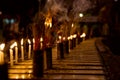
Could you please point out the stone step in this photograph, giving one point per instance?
(73, 77)
(20, 71)
(77, 67)
(75, 72)
(57, 77)
(20, 66)
(19, 76)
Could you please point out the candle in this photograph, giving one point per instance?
(17, 77)
(64, 38)
(11, 57)
(23, 76)
(41, 43)
(29, 50)
(33, 43)
(11, 53)
(2, 53)
(83, 36)
(22, 50)
(60, 38)
(16, 53)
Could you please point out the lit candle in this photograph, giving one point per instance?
(83, 36)
(16, 53)
(17, 77)
(33, 43)
(71, 37)
(2, 53)
(23, 76)
(41, 43)
(64, 38)
(11, 53)
(22, 50)
(11, 57)
(60, 38)
(29, 50)
(50, 25)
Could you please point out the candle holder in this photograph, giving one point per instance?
(60, 51)
(38, 66)
(48, 51)
(4, 71)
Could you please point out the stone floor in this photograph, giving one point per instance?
(82, 63)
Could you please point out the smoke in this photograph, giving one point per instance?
(80, 6)
(58, 9)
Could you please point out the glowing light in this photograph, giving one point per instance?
(63, 38)
(71, 37)
(23, 76)
(2, 53)
(29, 41)
(72, 25)
(60, 37)
(68, 38)
(13, 45)
(17, 77)
(21, 41)
(74, 35)
(83, 35)
(2, 46)
(81, 14)
(41, 39)
(50, 25)
(33, 40)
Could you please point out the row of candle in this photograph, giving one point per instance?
(71, 37)
(14, 46)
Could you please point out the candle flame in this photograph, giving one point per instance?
(17, 77)
(29, 41)
(41, 39)
(74, 35)
(50, 25)
(23, 76)
(60, 37)
(22, 41)
(63, 38)
(2, 46)
(83, 35)
(13, 45)
(71, 37)
(68, 38)
(72, 25)
(33, 40)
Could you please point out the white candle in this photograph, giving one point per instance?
(29, 50)
(1, 57)
(2, 53)
(41, 43)
(17, 77)
(11, 57)
(22, 50)
(22, 53)
(16, 54)
(33, 43)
